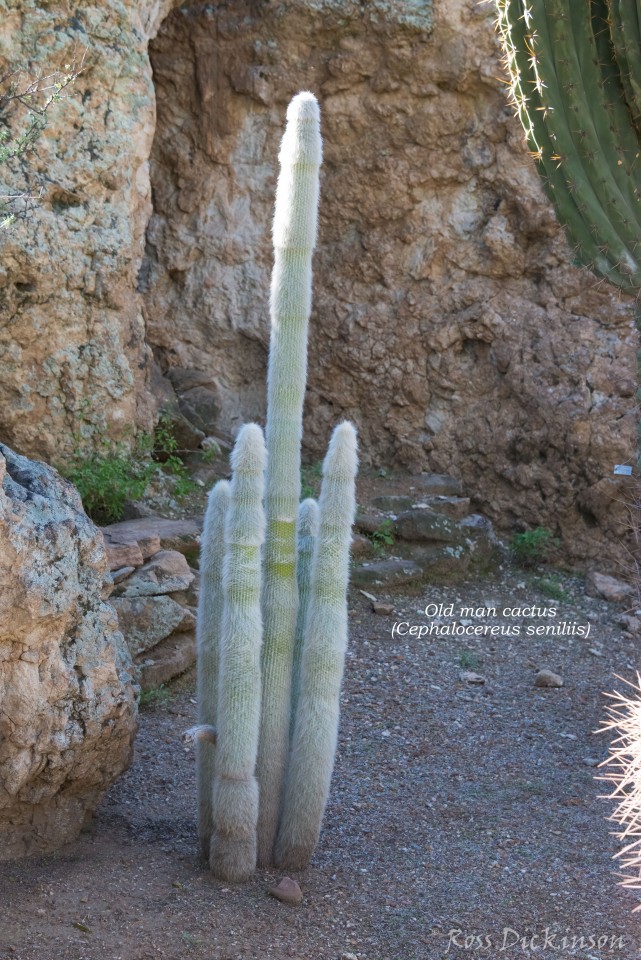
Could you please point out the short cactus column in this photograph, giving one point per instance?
(323, 658)
(235, 790)
(209, 625)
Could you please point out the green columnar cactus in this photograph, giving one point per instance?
(575, 72)
(306, 534)
(209, 622)
(235, 790)
(323, 656)
(304, 578)
(294, 236)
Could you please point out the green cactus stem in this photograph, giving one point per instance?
(208, 629)
(235, 790)
(294, 235)
(323, 657)
(575, 82)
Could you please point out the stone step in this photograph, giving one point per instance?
(439, 484)
(181, 535)
(147, 621)
(168, 660)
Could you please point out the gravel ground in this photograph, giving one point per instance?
(464, 819)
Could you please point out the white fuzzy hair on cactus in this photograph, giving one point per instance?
(623, 768)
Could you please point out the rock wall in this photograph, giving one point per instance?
(448, 320)
(74, 360)
(67, 710)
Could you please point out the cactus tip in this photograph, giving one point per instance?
(249, 449)
(304, 106)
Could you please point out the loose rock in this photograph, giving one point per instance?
(287, 891)
(546, 678)
(383, 609)
(602, 585)
(468, 676)
(166, 572)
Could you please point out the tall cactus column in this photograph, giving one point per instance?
(272, 779)
(294, 235)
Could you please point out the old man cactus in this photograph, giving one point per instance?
(272, 619)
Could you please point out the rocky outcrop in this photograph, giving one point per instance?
(432, 536)
(75, 365)
(449, 323)
(155, 593)
(67, 708)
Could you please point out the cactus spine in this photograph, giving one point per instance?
(575, 72)
(293, 686)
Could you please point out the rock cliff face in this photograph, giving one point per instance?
(67, 711)
(448, 320)
(72, 341)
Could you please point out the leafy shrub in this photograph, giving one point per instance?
(533, 546)
(107, 480)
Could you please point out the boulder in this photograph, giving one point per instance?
(67, 703)
(425, 525)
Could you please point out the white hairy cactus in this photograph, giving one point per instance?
(235, 791)
(208, 626)
(280, 706)
(306, 535)
(294, 235)
(323, 657)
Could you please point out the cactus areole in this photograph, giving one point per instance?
(272, 617)
(575, 81)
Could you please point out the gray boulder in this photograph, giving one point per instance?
(67, 702)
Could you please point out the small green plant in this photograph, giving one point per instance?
(468, 660)
(533, 546)
(107, 479)
(383, 536)
(552, 587)
(154, 698)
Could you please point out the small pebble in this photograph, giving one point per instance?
(591, 761)
(467, 676)
(383, 609)
(545, 678)
(287, 891)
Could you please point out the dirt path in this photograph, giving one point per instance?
(454, 807)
